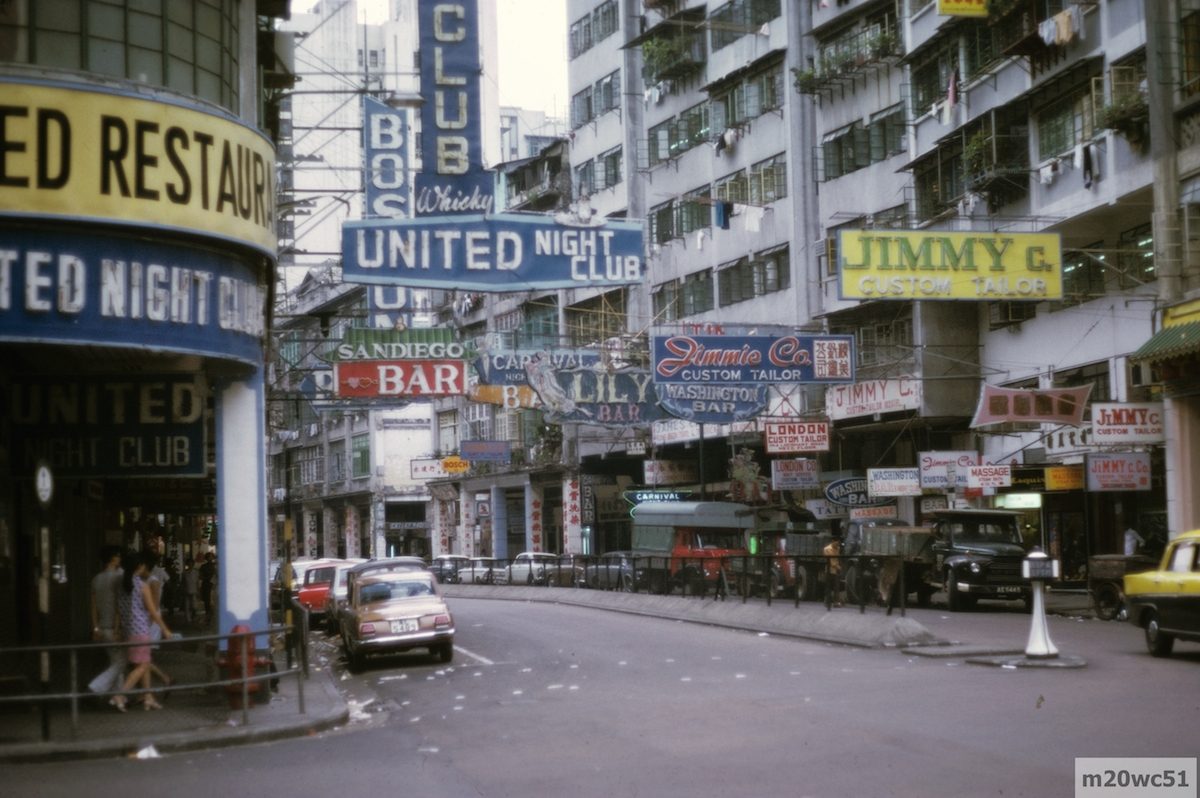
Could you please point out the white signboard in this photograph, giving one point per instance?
(795, 474)
(1118, 472)
(935, 466)
(669, 472)
(787, 437)
(874, 396)
(867, 513)
(428, 468)
(989, 476)
(893, 482)
(1127, 423)
(824, 509)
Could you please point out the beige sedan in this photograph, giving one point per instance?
(398, 611)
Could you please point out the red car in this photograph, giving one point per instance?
(313, 592)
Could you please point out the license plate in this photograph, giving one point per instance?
(1008, 589)
(404, 626)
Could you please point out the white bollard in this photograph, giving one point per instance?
(1037, 567)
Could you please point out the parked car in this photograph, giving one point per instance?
(335, 598)
(445, 567)
(481, 571)
(379, 565)
(397, 611)
(614, 570)
(1166, 602)
(541, 567)
(315, 589)
(299, 567)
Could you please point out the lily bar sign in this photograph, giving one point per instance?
(897, 264)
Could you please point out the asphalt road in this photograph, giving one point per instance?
(546, 700)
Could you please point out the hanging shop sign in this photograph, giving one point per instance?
(1066, 477)
(568, 386)
(823, 509)
(753, 359)
(455, 465)
(386, 187)
(486, 451)
(109, 426)
(109, 156)
(873, 397)
(453, 179)
(894, 481)
(942, 470)
(712, 404)
(668, 472)
(963, 8)
(502, 252)
(1118, 472)
(1031, 405)
(393, 307)
(873, 513)
(899, 264)
(1132, 423)
(787, 437)
(366, 344)
(853, 492)
(370, 379)
(989, 476)
(427, 468)
(795, 474)
(116, 290)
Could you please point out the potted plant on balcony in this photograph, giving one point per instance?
(883, 44)
(976, 156)
(659, 55)
(806, 80)
(1128, 115)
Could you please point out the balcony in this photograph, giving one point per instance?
(847, 58)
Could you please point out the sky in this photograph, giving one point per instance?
(532, 49)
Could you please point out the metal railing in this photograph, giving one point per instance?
(50, 674)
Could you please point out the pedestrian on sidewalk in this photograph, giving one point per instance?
(138, 611)
(191, 587)
(836, 585)
(105, 586)
(1132, 541)
(208, 575)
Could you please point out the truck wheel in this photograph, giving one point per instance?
(1158, 642)
(1107, 601)
(954, 599)
(860, 585)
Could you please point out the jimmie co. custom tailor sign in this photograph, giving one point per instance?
(753, 359)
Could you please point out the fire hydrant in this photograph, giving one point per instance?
(240, 664)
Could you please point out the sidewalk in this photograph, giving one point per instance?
(191, 719)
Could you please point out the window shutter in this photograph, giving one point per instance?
(862, 146)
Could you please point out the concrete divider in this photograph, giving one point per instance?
(811, 621)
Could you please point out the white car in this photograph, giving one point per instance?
(540, 568)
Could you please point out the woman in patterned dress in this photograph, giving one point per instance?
(138, 610)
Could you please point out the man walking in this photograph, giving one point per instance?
(104, 620)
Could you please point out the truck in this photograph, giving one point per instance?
(967, 553)
(783, 549)
(688, 545)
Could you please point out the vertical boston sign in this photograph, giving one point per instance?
(452, 179)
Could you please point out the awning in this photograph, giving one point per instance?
(1175, 341)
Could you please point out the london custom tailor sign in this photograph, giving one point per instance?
(926, 264)
(785, 437)
(753, 358)
(1031, 405)
(795, 474)
(504, 252)
(104, 155)
(116, 290)
(452, 179)
(110, 426)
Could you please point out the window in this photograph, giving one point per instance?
(733, 187)
(884, 343)
(1082, 275)
(606, 94)
(660, 142)
(1095, 375)
(939, 182)
(609, 172)
(604, 21)
(539, 325)
(581, 35)
(749, 278)
(735, 19)
(1189, 52)
(662, 223)
(768, 180)
(582, 108)
(845, 151)
(748, 98)
(1135, 257)
(311, 462)
(360, 456)
(373, 58)
(679, 134)
(931, 78)
(594, 321)
(666, 302)
(697, 292)
(448, 431)
(337, 461)
(584, 179)
(886, 134)
(1064, 124)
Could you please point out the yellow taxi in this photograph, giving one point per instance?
(1166, 602)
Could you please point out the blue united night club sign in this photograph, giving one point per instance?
(453, 180)
(115, 290)
(504, 252)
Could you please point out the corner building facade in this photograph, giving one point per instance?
(137, 254)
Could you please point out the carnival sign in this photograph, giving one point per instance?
(753, 359)
(787, 437)
(492, 253)
(1030, 405)
(1133, 423)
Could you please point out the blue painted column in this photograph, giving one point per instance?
(241, 503)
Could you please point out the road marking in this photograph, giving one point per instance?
(480, 659)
